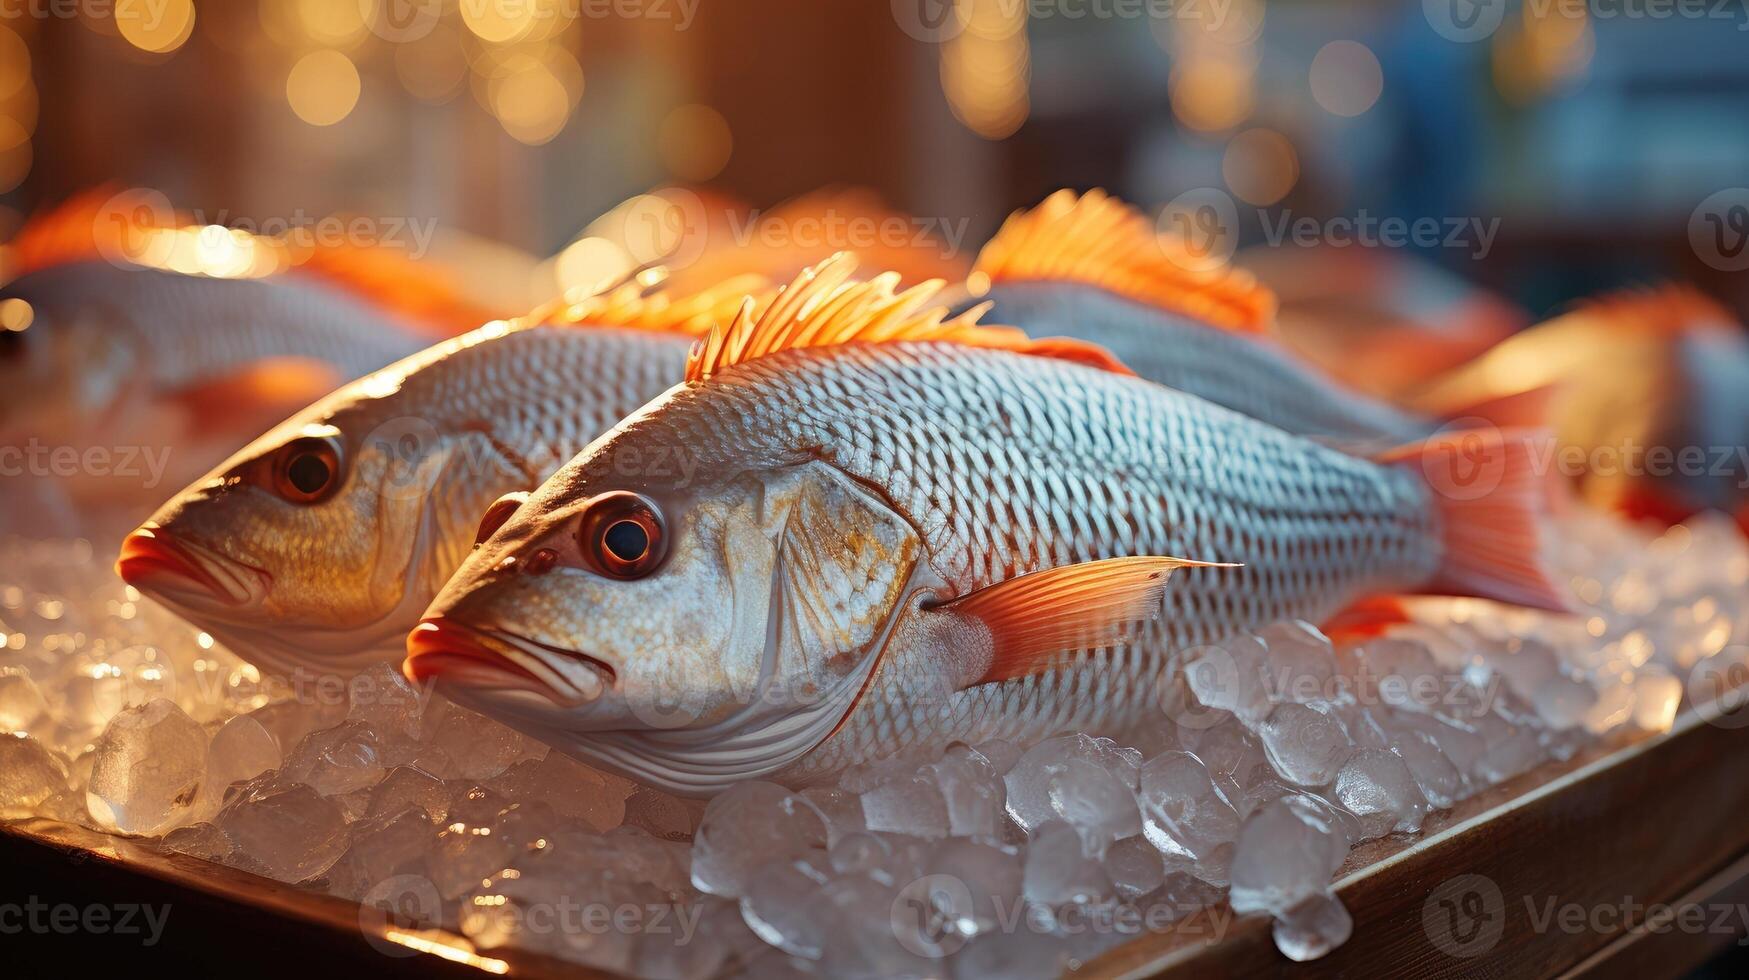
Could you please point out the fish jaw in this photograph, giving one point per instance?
(448, 651)
(186, 575)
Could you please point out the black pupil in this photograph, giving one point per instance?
(626, 540)
(308, 472)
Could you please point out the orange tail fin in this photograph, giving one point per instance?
(1493, 508)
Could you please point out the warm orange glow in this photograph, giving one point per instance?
(1260, 166)
(500, 23)
(694, 142)
(322, 88)
(1212, 93)
(339, 23)
(1551, 44)
(530, 102)
(432, 68)
(159, 27)
(986, 69)
(454, 950)
(15, 154)
(14, 63)
(589, 264)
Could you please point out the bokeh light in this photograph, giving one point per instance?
(588, 264)
(1346, 79)
(432, 68)
(986, 70)
(694, 142)
(335, 23)
(1260, 166)
(322, 88)
(159, 27)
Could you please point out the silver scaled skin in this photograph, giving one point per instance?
(839, 496)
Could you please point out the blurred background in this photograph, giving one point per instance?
(1545, 149)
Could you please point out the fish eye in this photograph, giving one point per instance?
(307, 470)
(497, 514)
(622, 535)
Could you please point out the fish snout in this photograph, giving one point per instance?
(474, 658)
(161, 564)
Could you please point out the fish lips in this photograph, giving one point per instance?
(477, 659)
(187, 574)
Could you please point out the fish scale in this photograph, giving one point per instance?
(1250, 374)
(1030, 463)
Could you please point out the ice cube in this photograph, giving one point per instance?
(291, 833)
(782, 907)
(29, 775)
(1025, 954)
(1376, 786)
(200, 840)
(241, 749)
(991, 875)
(21, 702)
(406, 787)
(150, 762)
(1088, 797)
(1029, 781)
(1438, 780)
(1286, 853)
(972, 790)
(469, 745)
(867, 937)
(1301, 664)
(339, 760)
(381, 698)
(1312, 928)
(1134, 867)
(1233, 676)
(380, 848)
(1184, 813)
(669, 817)
(569, 787)
(840, 811)
(750, 825)
(1059, 869)
(1305, 743)
(911, 804)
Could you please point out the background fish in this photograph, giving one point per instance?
(890, 545)
(1649, 400)
(183, 358)
(322, 541)
(1092, 268)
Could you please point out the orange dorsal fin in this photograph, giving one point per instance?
(1095, 239)
(1036, 619)
(642, 304)
(85, 226)
(823, 308)
(1669, 310)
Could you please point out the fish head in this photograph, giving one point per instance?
(318, 544)
(689, 632)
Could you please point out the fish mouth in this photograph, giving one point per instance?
(182, 572)
(481, 659)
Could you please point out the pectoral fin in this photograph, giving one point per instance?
(1035, 619)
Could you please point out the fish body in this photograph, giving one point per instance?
(1249, 373)
(415, 454)
(1092, 268)
(804, 609)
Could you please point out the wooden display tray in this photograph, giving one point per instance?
(1664, 819)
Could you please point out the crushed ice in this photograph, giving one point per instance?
(991, 859)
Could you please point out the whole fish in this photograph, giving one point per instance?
(1093, 268)
(319, 544)
(188, 357)
(1649, 400)
(894, 538)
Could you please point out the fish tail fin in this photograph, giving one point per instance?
(1493, 504)
(1366, 618)
(1527, 409)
